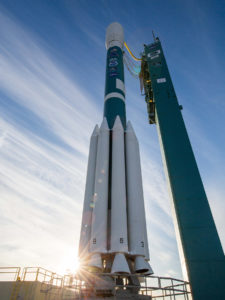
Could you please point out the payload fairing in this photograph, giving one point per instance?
(113, 235)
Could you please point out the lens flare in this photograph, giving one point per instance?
(69, 263)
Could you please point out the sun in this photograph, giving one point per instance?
(69, 263)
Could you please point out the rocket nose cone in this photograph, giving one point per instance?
(95, 131)
(114, 35)
(130, 130)
(118, 124)
(104, 125)
(129, 126)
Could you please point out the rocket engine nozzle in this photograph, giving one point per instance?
(95, 263)
(120, 264)
(142, 266)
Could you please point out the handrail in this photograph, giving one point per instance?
(41, 274)
(155, 286)
(12, 270)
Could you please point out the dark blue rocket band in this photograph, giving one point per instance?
(114, 87)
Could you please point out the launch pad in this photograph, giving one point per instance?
(33, 283)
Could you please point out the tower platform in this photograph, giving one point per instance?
(34, 283)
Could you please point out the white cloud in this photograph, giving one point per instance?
(42, 182)
(34, 80)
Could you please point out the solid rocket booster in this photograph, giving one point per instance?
(113, 229)
(138, 244)
(98, 238)
(85, 234)
(119, 239)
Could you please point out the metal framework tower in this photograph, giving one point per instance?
(201, 253)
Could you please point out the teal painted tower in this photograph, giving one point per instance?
(200, 249)
(114, 83)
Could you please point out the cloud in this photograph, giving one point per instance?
(42, 178)
(33, 79)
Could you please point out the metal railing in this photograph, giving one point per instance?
(10, 273)
(41, 275)
(76, 286)
(89, 284)
(30, 274)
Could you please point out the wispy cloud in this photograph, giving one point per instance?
(32, 78)
(42, 181)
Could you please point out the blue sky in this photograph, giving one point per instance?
(52, 72)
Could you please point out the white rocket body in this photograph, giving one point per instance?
(125, 231)
(98, 237)
(138, 242)
(88, 197)
(136, 211)
(113, 231)
(119, 239)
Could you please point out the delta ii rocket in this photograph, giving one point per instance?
(113, 235)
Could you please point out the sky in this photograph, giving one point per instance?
(52, 76)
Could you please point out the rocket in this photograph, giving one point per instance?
(113, 236)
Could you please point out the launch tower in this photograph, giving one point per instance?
(201, 253)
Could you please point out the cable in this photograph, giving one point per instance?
(132, 55)
(132, 67)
